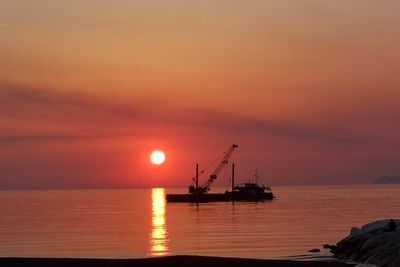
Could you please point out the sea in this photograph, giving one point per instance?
(138, 223)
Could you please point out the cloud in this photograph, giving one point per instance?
(88, 136)
(89, 116)
(72, 107)
(297, 130)
(28, 138)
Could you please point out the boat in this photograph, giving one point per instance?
(249, 191)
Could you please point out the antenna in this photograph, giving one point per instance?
(257, 175)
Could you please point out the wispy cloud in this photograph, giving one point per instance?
(87, 116)
(28, 138)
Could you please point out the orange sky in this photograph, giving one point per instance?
(308, 89)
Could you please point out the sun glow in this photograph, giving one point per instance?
(157, 157)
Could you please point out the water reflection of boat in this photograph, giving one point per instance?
(250, 191)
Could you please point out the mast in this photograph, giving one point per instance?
(197, 177)
(233, 176)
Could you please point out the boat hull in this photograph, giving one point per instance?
(219, 197)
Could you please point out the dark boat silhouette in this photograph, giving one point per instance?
(250, 191)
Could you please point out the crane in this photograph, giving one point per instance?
(206, 186)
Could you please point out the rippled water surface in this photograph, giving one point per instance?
(138, 223)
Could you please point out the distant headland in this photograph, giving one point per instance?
(388, 180)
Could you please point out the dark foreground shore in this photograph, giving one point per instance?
(176, 261)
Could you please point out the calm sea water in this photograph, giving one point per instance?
(138, 223)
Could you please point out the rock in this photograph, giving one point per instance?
(395, 263)
(355, 231)
(372, 243)
(375, 243)
(329, 246)
(314, 250)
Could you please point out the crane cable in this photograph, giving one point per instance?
(213, 163)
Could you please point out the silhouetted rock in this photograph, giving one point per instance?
(328, 246)
(375, 243)
(314, 250)
(392, 225)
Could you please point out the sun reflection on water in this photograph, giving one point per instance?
(159, 235)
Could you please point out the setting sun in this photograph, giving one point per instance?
(157, 157)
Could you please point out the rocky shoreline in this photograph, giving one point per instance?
(375, 243)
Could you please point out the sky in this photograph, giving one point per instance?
(308, 89)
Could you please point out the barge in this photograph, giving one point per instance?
(250, 191)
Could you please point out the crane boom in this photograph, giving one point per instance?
(206, 186)
(222, 163)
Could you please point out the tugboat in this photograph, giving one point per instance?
(246, 192)
(251, 190)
